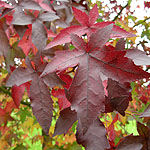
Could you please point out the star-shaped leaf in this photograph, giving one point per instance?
(96, 63)
(87, 26)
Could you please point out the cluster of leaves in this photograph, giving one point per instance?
(80, 66)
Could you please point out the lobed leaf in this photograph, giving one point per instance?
(94, 138)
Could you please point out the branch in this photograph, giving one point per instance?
(120, 12)
(138, 23)
(147, 69)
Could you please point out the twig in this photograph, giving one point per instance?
(120, 12)
(147, 68)
(138, 23)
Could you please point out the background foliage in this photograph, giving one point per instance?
(19, 128)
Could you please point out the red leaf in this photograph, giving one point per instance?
(18, 91)
(81, 16)
(78, 42)
(111, 130)
(93, 15)
(66, 78)
(64, 35)
(94, 138)
(62, 100)
(87, 26)
(65, 121)
(147, 4)
(26, 43)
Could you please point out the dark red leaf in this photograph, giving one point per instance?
(21, 75)
(65, 121)
(118, 96)
(4, 48)
(131, 143)
(103, 34)
(147, 4)
(143, 130)
(48, 16)
(39, 35)
(19, 18)
(94, 138)
(93, 68)
(42, 103)
(120, 44)
(52, 80)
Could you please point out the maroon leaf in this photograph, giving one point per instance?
(104, 35)
(131, 143)
(52, 80)
(120, 44)
(48, 16)
(19, 18)
(94, 138)
(78, 42)
(41, 101)
(39, 35)
(30, 4)
(118, 97)
(93, 67)
(65, 121)
(42, 104)
(20, 30)
(21, 75)
(143, 130)
(4, 43)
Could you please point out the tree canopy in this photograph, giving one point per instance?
(74, 74)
